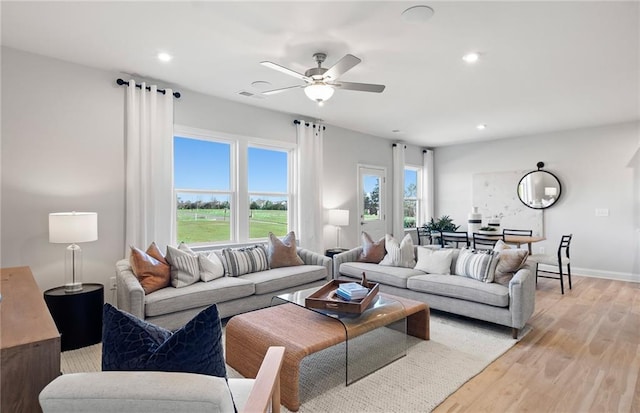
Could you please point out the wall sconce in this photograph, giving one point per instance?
(338, 218)
(72, 227)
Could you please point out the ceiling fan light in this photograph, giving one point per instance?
(319, 92)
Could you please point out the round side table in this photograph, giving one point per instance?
(78, 315)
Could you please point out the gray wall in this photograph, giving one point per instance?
(63, 150)
(597, 169)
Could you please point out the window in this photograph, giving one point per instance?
(411, 196)
(203, 190)
(230, 190)
(269, 196)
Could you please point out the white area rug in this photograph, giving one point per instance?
(432, 370)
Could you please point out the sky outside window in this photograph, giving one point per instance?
(200, 164)
(267, 170)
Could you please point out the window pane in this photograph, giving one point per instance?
(410, 183)
(203, 217)
(200, 164)
(267, 214)
(267, 170)
(371, 185)
(410, 209)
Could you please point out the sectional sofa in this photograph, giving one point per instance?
(510, 305)
(172, 307)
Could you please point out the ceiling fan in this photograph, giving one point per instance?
(321, 82)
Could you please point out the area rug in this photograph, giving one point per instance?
(459, 349)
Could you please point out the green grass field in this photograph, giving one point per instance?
(211, 225)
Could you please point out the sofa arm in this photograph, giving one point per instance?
(129, 291)
(347, 256)
(522, 293)
(313, 258)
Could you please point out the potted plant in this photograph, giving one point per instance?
(444, 223)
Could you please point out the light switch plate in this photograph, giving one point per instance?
(602, 212)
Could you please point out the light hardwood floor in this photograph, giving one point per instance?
(583, 355)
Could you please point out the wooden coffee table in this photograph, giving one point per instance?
(303, 332)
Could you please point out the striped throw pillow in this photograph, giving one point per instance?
(245, 260)
(185, 269)
(477, 264)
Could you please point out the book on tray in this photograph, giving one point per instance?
(352, 291)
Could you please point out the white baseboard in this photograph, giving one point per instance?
(610, 275)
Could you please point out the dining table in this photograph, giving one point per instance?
(519, 240)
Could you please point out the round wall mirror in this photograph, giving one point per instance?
(539, 189)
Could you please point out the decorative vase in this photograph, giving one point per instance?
(494, 222)
(474, 221)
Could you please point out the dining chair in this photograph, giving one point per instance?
(525, 232)
(454, 237)
(562, 258)
(424, 236)
(482, 241)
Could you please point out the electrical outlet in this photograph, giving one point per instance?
(113, 283)
(541, 250)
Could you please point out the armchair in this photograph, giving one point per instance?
(157, 392)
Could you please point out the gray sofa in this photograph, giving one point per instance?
(171, 307)
(510, 305)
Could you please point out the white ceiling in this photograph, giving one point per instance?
(545, 66)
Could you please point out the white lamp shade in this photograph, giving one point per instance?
(339, 217)
(318, 92)
(550, 191)
(72, 227)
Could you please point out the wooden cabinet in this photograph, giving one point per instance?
(29, 342)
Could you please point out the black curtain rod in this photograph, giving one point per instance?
(121, 82)
(297, 122)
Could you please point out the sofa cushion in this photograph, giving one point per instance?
(434, 261)
(477, 264)
(510, 260)
(461, 287)
(372, 251)
(200, 294)
(245, 260)
(185, 269)
(399, 254)
(282, 252)
(150, 268)
(211, 266)
(286, 277)
(396, 276)
(132, 344)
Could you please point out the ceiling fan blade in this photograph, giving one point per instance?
(284, 89)
(362, 87)
(344, 64)
(286, 71)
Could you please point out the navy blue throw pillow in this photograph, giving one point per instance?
(132, 344)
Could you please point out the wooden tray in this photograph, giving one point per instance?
(326, 299)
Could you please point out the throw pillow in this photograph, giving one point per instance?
(434, 261)
(211, 266)
(282, 253)
(150, 268)
(477, 264)
(246, 260)
(372, 252)
(500, 245)
(399, 254)
(132, 344)
(185, 269)
(509, 261)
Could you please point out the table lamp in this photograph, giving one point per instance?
(72, 227)
(338, 218)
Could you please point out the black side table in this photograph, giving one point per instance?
(333, 251)
(78, 315)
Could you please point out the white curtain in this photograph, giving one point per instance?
(309, 185)
(398, 190)
(149, 210)
(428, 191)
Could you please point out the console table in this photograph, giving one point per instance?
(30, 348)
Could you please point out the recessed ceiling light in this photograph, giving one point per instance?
(417, 14)
(471, 57)
(481, 126)
(164, 57)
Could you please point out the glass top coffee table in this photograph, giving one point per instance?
(373, 339)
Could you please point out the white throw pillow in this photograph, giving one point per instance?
(210, 266)
(398, 254)
(434, 261)
(185, 269)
